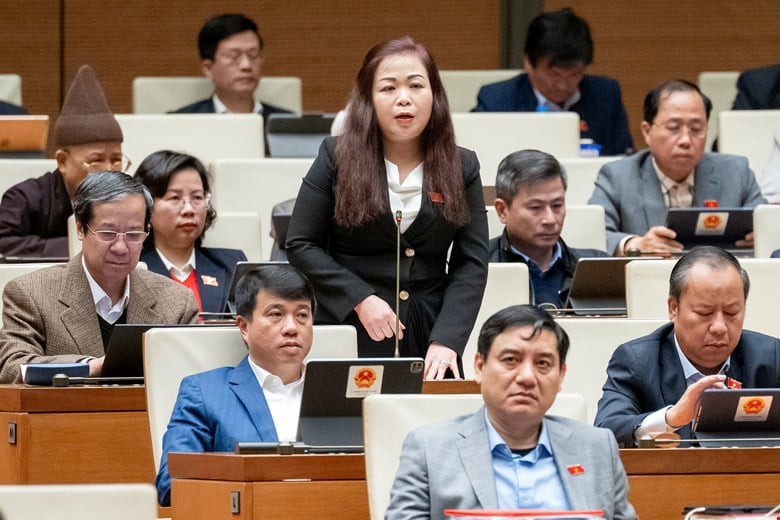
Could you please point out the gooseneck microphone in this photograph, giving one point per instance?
(398, 218)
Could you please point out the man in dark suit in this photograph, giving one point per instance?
(674, 172)
(758, 89)
(66, 313)
(531, 203)
(558, 50)
(8, 109)
(34, 213)
(654, 383)
(259, 399)
(231, 52)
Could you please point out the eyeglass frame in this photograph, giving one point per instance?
(125, 163)
(234, 57)
(677, 132)
(183, 200)
(117, 234)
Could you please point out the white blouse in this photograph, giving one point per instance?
(406, 196)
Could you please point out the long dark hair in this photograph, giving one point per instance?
(360, 196)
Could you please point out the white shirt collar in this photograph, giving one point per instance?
(180, 273)
(102, 301)
(221, 108)
(554, 107)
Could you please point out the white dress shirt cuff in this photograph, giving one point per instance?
(654, 423)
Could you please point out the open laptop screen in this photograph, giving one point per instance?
(729, 414)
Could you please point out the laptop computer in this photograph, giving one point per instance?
(240, 270)
(712, 226)
(23, 136)
(331, 414)
(290, 135)
(599, 287)
(739, 417)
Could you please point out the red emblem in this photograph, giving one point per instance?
(753, 406)
(365, 378)
(711, 221)
(436, 197)
(733, 383)
(576, 469)
(583, 125)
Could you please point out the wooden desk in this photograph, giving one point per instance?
(663, 481)
(217, 486)
(74, 435)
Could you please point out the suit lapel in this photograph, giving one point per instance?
(526, 99)
(567, 454)
(244, 384)
(705, 183)
(79, 316)
(141, 308)
(477, 461)
(425, 218)
(650, 189)
(211, 296)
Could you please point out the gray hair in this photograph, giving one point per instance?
(713, 257)
(108, 186)
(524, 168)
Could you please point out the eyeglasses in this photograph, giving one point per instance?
(233, 57)
(121, 165)
(198, 201)
(133, 237)
(675, 129)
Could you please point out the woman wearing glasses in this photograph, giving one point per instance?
(182, 214)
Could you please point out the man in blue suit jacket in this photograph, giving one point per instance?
(675, 172)
(260, 398)
(558, 50)
(8, 109)
(654, 383)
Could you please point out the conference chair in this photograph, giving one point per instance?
(507, 284)
(172, 353)
(237, 231)
(11, 88)
(14, 171)
(721, 88)
(462, 86)
(766, 228)
(647, 291)
(10, 271)
(79, 502)
(206, 136)
(387, 418)
(256, 186)
(749, 133)
(581, 173)
(494, 135)
(591, 343)
(161, 94)
(584, 226)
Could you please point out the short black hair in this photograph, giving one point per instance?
(107, 186)
(282, 280)
(561, 36)
(155, 172)
(524, 168)
(221, 27)
(711, 256)
(521, 316)
(653, 98)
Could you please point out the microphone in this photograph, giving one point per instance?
(398, 218)
(672, 440)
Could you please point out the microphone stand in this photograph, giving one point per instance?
(398, 218)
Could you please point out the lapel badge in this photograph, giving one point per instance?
(575, 469)
(733, 383)
(436, 197)
(209, 280)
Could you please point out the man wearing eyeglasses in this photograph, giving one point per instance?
(66, 313)
(34, 213)
(673, 172)
(231, 52)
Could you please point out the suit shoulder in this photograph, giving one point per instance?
(202, 106)
(725, 160)
(210, 377)
(600, 82)
(753, 339)
(504, 85)
(273, 109)
(158, 282)
(223, 254)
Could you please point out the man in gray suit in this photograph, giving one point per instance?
(65, 314)
(509, 455)
(674, 172)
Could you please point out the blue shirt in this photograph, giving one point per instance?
(546, 284)
(530, 481)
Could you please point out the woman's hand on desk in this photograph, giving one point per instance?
(438, 359)
(378, 318)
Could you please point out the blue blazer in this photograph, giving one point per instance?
(214, 410)
(8, 109)
(602, 116)
(645, 375)
(216, 262)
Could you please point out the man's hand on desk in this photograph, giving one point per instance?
(684, 411)
(96, 366)
(657, 240)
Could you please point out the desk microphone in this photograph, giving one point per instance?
(667, 441)
(398, 218)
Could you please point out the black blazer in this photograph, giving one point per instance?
(758, 89)
(645, 375)
(9, 109)
(206, 106)
(348, 265)
(216, 262)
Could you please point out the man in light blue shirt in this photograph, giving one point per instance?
(509, 454)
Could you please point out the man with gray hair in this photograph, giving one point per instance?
(66, 313)
(654, 383)
(531, 203)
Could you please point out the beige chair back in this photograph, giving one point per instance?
(581, 173)
(237, 231)
(766, 225)
(10, 271)
(11, 88)
(749, 133)
(721, 88)
(14, 171)
(462, 86)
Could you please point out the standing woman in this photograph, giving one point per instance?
(397, 152)
(182, 213)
